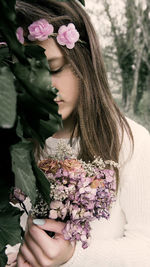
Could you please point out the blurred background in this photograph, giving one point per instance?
(123, 28)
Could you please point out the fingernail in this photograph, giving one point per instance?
(39, 221)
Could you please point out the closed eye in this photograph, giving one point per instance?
(57, 71)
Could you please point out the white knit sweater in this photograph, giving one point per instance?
(124, 239)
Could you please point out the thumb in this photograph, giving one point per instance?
(50, 225)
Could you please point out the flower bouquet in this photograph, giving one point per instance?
(80, 192)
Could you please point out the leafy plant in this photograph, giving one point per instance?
(27, 113)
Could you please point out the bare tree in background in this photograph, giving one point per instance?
(132, 50)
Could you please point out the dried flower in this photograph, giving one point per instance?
(49, 165)
(80, 192)
(17, 196)
(70, 165)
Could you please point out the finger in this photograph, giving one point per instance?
(29, 222)
(28, 256)
(36, 250)
(21, 262)
(42, 239)
(13, 264)
(50, 225)
(50, 246)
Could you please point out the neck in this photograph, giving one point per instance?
(66, 131)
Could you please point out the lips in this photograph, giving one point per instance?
(59, 101)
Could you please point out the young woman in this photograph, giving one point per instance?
(90, 117)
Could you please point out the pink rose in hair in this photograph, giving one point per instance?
(67, 35)
(19, 34)
(40, 30)
(3, 43)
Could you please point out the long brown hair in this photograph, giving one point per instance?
(98, 121)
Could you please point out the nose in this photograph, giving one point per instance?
(55, 84)
(53, 81)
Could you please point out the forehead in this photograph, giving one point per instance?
(51, 48)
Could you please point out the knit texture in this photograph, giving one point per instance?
(124, 239)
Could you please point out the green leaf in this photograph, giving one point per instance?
(3, 258)
(36, 78)
(31, 81)
(4, 193)
(36, 122)
(8, 28)
(41, 181)
(36, 106)
(19, 129)
(43, 184)
(82, 2)
(22, 168)
(48, 128)
(4, 54)
(35, 51)
(10, 230)
(7, 98)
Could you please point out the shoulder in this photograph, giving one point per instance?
(138, 130)
(134, 159)
(141, 141)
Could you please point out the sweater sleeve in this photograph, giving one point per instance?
(133, 247)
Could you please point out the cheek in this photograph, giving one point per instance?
(76, 96)
(68, 85)
(71, 97)
(73, 90)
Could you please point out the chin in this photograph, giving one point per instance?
(64, 116)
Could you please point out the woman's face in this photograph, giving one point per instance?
(62, 78)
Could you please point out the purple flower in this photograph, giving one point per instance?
(77, 230)
(19, 34)
(90, 205)
(109, 175)
(79, 192)
(40, 30)
(17, 196)
(67, 35)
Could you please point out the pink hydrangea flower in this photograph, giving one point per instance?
(19, 34)
(40, 30)
(67, 35)
(80, 192)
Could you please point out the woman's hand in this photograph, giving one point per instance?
(40, 250)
